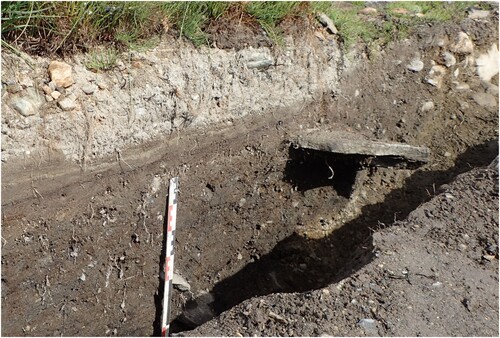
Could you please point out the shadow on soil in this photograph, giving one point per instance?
(298, 265)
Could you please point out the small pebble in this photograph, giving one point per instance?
(489, 258)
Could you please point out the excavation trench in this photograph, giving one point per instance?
(256, 216)
(299, 263)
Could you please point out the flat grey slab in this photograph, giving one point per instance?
(344, 142)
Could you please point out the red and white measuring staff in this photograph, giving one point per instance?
(169, 254)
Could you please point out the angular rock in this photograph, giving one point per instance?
(463, 45)
(47, 90)
(102, 85)
(67, 104)
(462, 86)
(369, 326)
(180, 283)
(328, 23)
(427, 106)
(478, 14)
(487, 64)
(449, 59)
(259, 63)
(23, 106)
(344, 142)
(55, 94)
(436, 75)
(61, 74)
(89, 89)
(494, 164)
(52, 85)
(485, 100)
(415, 65)
(492, 89)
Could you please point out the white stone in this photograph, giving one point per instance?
(427, 106)
(463, 45)
(449, 59)
(462, 86)
(180, 283)
(55, 94)
(328, 23)
(487, 64)
(478, 14)
(415, 65)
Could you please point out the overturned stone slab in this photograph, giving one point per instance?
(349, 143)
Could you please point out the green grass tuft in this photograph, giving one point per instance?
(101, 60)
(44, 27)
(270, 13)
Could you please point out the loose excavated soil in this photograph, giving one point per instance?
(417, 253)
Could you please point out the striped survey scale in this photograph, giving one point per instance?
(169, 253)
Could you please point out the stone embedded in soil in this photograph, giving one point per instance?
(89, 89)
(487, 64)
(55, 94)
(494, 164)
(463, 45)
(492, 89)
(478, 14)
(46, 89)
(436, 75)
(415, 65)
(29, 103)
(60, 73)
(485, 100)
(449, 59)
(180, 283)
(259, 61)
(67, 104)
(343, 142)
(461, 86)
(23, 106)
(369, 325)
(328, 23)
(427, 106)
